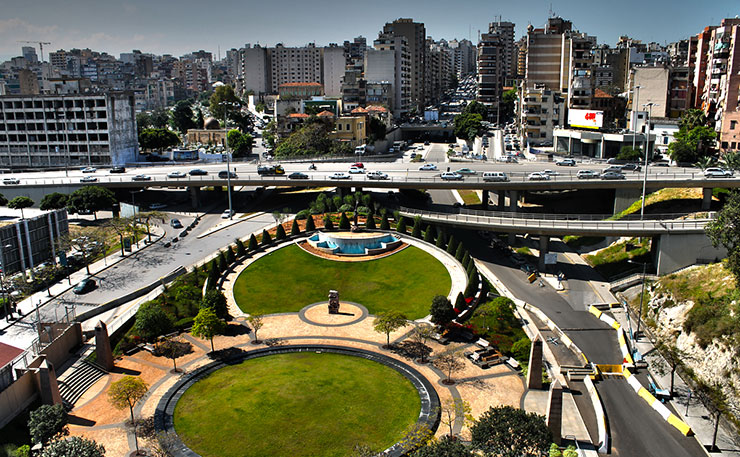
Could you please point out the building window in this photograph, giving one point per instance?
(733, 124)
(732, 145)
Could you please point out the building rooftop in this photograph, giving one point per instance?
(8, 353)
(325, 113)
(598, 93)
(377, 108)
(359, 110)
(298, 116)
(301, 85)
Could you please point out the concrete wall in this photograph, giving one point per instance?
(677, 251)
(17, 397)
(60, 349)
(623, 198)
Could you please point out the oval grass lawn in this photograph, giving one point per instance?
(295, 405)
(290, 278)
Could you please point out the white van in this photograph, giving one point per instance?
(360, 149)
(495, 176)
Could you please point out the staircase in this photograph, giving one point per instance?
(79, 377)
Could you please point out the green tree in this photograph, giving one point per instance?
(629, 154)
(159, 139)
(257, 322)
(475, 107)
(310, 224)
(467, 126)
(420, 335)
(143, 121)
(344, 222)
(441, 310)
(252, 242)
(266, 238)
(450, 362)
(152, 321)
(74, 447)
(723, 231)
(441, 243)
(173, 349)
(694, 139)
(47, 423)
(3, 200)
(54, 200)
(452, 245)
(388, 322)
(504, 431)
(496, 316)
(384, 224)
(446, 446)
(416, 230)
(91, 198)
(240, 249)
(508, 103)
(159, 118)
(126, 392)
(20, 202)
(182, 117)
(311, 139)
(328, 224)
(370, 222)
(429, 234)
(200, 121)
(223, 265)
(207, 325)
(240, 143)
(224, 94)
(375, 130)
(295, 229)
(401, 226)
(230, 256)
(213, 275)
(216, 301)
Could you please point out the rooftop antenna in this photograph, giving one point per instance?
(552, 14)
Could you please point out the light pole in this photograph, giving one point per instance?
(642, 294)
(634, 116)
(228, 155)
(647, 147)
(62, 114)
(133, 203)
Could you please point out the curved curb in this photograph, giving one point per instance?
(302, 315)
(626, 356)
(430, 403)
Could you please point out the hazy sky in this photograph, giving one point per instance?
(178, 27)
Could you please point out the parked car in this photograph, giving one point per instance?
(426, 143)
(339, 175)
(451, 176)
(89, 170)
(85, 286)
(197, 172)
(428, 167)
(538, 176)
(714, 172)
(587, 174)
(89, 179)
(141, 178)
(297, 175)
(378, 175)
(225, 174)
(612, 175)
(11, 181)
(175, 223)
(227, 214)
(465, 171)
(566, 163)
(356, 170)
(117, 170)
(176, 174)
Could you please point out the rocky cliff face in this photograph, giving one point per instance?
(718, 362)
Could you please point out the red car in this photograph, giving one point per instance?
(358, 165)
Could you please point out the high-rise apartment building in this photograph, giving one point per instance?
(505, 30)
(464, 57)
(354, 52)
(67, 130)
(491, 71)
(29, 53)
(544, 49)
(437, 69)
(334, 64)
(390, 61)
(415, 35)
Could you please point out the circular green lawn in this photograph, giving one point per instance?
(288, 279)
(296, 404)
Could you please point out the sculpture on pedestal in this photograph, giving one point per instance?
(333, 302)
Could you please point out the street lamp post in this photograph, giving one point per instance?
(642, 294)
(228, 155)
(634, 117)
(647, 147)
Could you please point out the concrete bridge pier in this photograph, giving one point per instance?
(672, 251)
(484, 199)
(501, 200)
(623, 198)
(513, 201)
(544, 247)
(194, 196)
(706, 201)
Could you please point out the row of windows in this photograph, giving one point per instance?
(51, 150)
(10, 127)
(51, 115)
(61, 138)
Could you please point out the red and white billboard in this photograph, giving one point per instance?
(584, 118)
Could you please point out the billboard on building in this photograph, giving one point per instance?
(584, 118)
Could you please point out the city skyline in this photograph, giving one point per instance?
(154, 27)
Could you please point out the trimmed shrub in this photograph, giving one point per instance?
(280, 233)
(152, 321)
(241, 251)
(222, 265)
(266, 238)
(441, 240)
(384, 224)
(213, 275)
(441, 310)
(303, 214)
(472, 287)
(253, 242)
(216, 300)
(310, 224)
(460, 302)
(230, 256)
(370, 222)
(344, 222)
(466, 261)
(416, 231)
(429, 235)
(328, 224)
(295, 229)
(401, 227)
(452, 245)
(460, 252)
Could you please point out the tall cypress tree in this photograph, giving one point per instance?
(280, 232)
(370, 222)
(344, 222)
(452, 245)
(310, 224)
(252, 242)
(384, 224)
(295, 229)
(416, 230)
(441, 240)
(401, 227)
(328, 224)
(266, 238)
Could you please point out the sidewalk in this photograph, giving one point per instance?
(696, 415)
(27, 306)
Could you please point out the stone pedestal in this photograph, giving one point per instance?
(48, 386)
(534, 372)
(333, 302)
(102, 346)
(554, 413)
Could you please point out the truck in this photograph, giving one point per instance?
(272, 170)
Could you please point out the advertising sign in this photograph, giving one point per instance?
(587, 119)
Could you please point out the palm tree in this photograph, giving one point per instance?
(706, 162)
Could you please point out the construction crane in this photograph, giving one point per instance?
(41, 46)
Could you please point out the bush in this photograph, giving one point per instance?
(441, 242)
(370, 222)
(328, 224)
(460, 252)
(240, 249)
(266, 238)
(222, 264)
(252, 242)
(441, 310)
(295, 229)
(344, 222)
(310, 224)
(429, 235)
(280, 232)
(416, 230)
(466, 261)
(472, 286)
(520, 349)
(152, 321)
(452, 245)
(216, 301)
(303, 214)
(401, 226)
(384, 224)
(460, 303)
(230, 257)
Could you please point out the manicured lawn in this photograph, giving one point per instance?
(289, 279)
(298, 404)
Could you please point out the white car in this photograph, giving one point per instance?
(89, 170)
(551, 173)
(714, 172)
(451, 176)
(176, 174)
(89, 179)
(339, 175)
(538, 176)
(587, 174)
(227, 214)
(356, 170)
(379, 175)
(428, 167)
(420, 148)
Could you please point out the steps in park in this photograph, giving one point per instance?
(82, 375)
